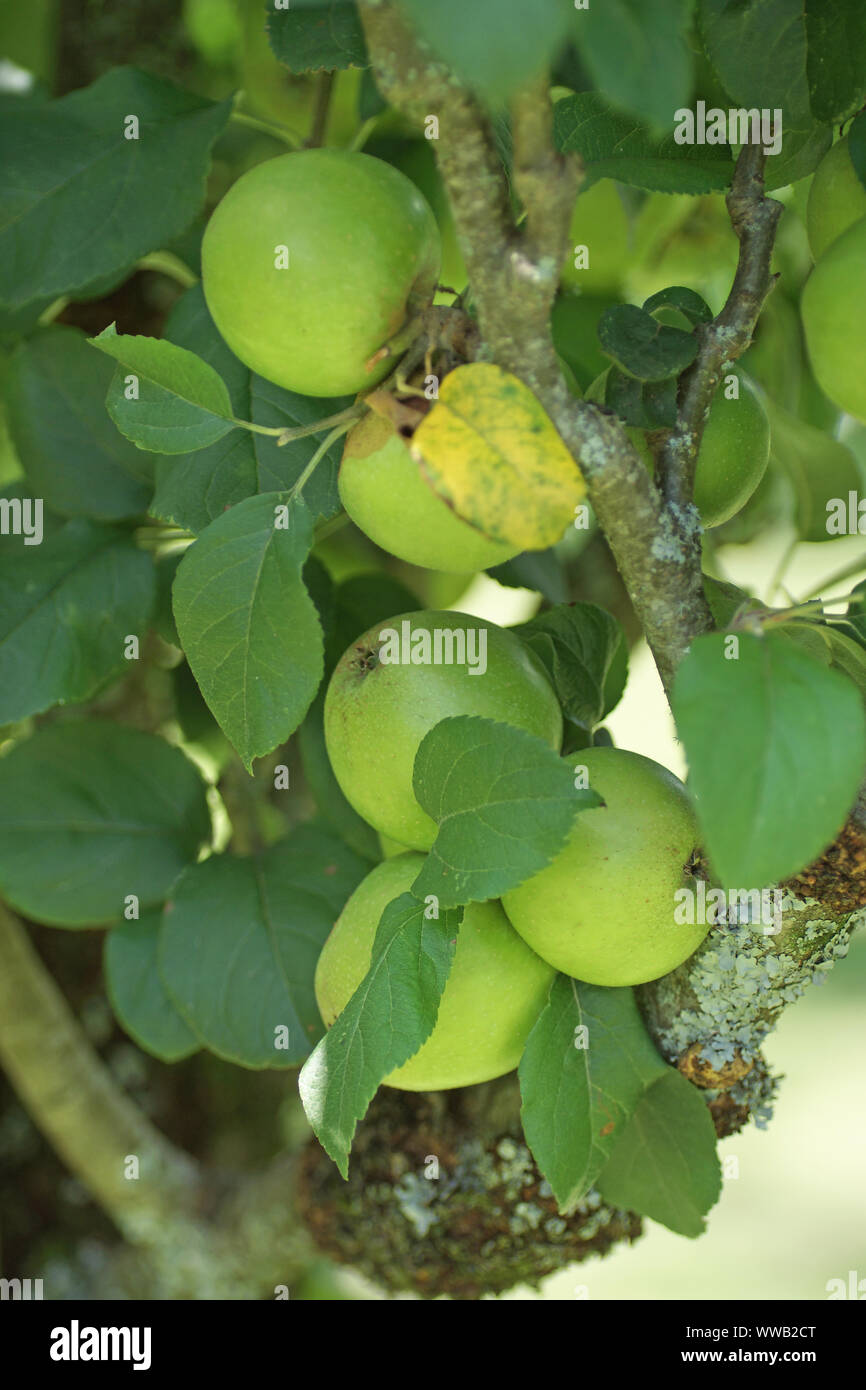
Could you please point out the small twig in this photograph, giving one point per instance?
(754, 218)
(321, 107)
(323, 448)
(278, 132)
(166, 263)
(352, 412)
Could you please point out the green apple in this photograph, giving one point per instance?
(837, 198)
(603, 909)
(733, 455)
(415, 159)
(833, 307)
(495, 991)
(600, 223)
(314, 260)
(378, 710)
(387, 496)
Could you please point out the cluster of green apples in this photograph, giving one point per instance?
(834, 297)
(601, 911)
(311, 263)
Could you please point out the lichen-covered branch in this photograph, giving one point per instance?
(754, 218)
(513, 271)
(711, 1015)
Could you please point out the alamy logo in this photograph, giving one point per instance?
(737, 907)
(20, 1289)
(737, 126)
(443, 646)
(22, 516)
(846, 518)
(76, 1343)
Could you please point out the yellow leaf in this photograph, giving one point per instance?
(492, 453)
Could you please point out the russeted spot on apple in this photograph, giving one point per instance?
(603, 909)
(385, 493)
(496, 988)
(377, 711)
(313, 261)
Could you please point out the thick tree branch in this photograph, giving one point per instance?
(513, 274)
(75, 1101)
(754, 218)
(182, 1242)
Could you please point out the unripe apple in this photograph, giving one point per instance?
(603, 909)
(386, 495)
(314, 260)
(837, 198)
(600, 223)
(733, 456)
(496, 987)
(377, 710)
(833, 307)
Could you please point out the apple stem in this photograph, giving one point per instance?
(351, 413)
(318, 456)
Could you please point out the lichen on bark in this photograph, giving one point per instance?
(443, 1197)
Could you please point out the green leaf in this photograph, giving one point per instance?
(849, 656)
(67, 606)
(616, 146)
(776, 748)
(586, 1064)
(362, 601)
(540, 570)
(167, 400)
(836, 62)
(240, 939)
(122, 811)
(576, 643)
(724, 599)
(326, 790)
(387, 1020)
(664, 1164)
(647, 405)
(314, 37)
(80, 199)
(636, 53)
(489, 44)
(642, 346)
(857, 146)
(760, 51)
(857, 611)
(193, 489)
(247, 624)
(688, 302)
(137, 993)
(505, 804)
(71, 452)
